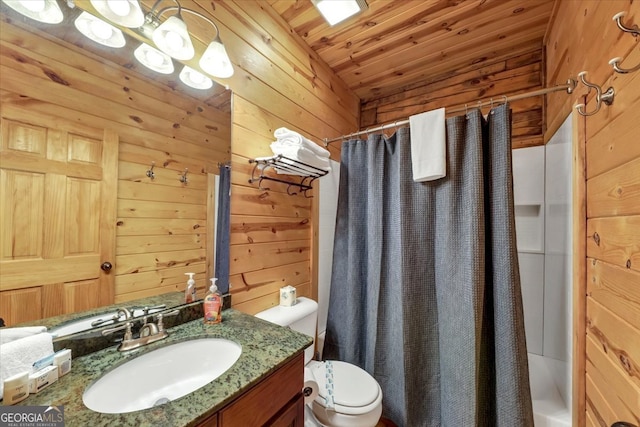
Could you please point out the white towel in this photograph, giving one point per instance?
(12, 334)
(301, 154)
(290, 137)
(19, 355)
(428, 145)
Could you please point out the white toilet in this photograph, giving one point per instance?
(357, 397)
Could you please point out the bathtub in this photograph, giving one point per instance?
(549, 408)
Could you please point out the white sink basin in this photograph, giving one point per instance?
(161, 376)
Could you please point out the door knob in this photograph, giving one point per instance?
(106, 266)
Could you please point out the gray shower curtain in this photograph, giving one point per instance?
(425, 289)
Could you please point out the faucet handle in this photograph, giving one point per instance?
(161, 316)
(127, 334)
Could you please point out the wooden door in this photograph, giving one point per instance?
(58, 182)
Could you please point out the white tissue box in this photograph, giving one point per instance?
(287, 296)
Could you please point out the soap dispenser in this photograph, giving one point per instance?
(190, 292)
(213, 304)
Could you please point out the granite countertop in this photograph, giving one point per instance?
(265, 348)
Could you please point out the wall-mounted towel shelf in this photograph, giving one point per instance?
(282, 165)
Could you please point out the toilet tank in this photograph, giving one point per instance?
(301, 317)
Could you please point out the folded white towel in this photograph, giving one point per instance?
(301, 154)
(290, 137)
(12, 334)
(428, 145)
(19, 355)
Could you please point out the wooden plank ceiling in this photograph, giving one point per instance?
(396, 45)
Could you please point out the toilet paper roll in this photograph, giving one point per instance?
(310, 387)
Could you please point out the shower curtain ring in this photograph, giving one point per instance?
(466, 109)
(506, 99)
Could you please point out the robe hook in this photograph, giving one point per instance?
(606, 97)
(183, 177)
(634, 31)
(150, 173)
(615, 63)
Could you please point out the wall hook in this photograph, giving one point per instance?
(183, 177)
(606, 97)
(634, 31)
(150, 173)
(615, 63)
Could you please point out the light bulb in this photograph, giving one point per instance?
(119, 7)
(101, 29)
(33, 5)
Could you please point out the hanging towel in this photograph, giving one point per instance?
(12, 334)
(428, 145)
(301, 154)
(293, 138)
(18, 356)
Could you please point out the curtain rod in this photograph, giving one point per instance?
(569, 87)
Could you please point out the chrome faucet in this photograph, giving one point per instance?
(149, 332)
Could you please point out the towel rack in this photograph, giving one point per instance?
(285, 165)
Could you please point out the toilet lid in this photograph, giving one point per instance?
(352, 386)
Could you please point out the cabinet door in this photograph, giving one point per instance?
(265, 401)
(291, 415)
(58, 181)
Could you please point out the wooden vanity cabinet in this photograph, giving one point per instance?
(275, 401)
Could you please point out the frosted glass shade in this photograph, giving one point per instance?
(215, 60)
(122, 12)
(46, 11)
(153, 59)
(99, 31)
(195, 79)
(172, 38)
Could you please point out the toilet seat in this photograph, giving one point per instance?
(355, 392)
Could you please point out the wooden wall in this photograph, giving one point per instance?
(582, 36)
(510, 72)
(161, 225)
(278, 81)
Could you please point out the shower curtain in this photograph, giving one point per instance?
(425, 289)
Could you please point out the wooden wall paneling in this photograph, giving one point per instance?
(622, 395)
(612, 117)
(597, 405)
(261, 78)
(258, 229)
(254, 284)
(615, 192)
(464, 54)
(147, 283)
(261, 303)
(299, 61)
(584, 38)
(615, 240)
(508, 75)
(579, 269)
(131, 86)
(617, 289)
(606, 153)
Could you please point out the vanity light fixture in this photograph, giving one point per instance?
(153, 59)
(46, 11)
(99, 31)
(336, 11)
(121, 12)
(195, 79)
(172, 37)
